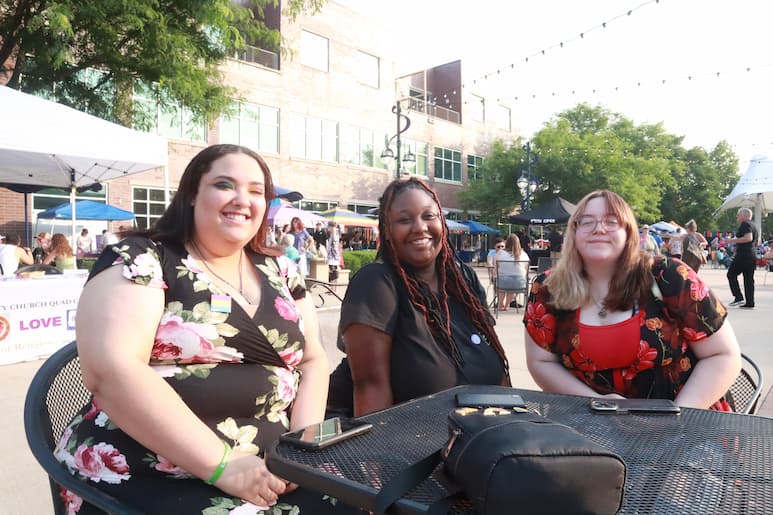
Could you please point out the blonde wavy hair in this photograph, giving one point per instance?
(568, 282)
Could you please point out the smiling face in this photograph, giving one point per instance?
(231, 201)
(601, 244)
(415, 228)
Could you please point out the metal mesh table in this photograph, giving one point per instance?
(698, 462)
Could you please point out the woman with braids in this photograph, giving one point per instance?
(414, 322)
(610, 320)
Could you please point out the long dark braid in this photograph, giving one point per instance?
(434, 307)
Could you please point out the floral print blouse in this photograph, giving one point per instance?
(686, 312)
(237, 373)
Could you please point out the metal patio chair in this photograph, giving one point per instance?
(747, 388)
(509, 269)
(55, 395)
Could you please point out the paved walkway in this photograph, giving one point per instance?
(24, 486)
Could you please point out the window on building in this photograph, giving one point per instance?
(313, 138)
(315, 205)
(477, 108)
(421, 151)
(504, 120)
(170, 120)
(367, 69)
(473, 164)
(315, 51)
(363, 209)
(358, 146)
(148, 205)
(52, 197)
(448, 164)
(252, 125)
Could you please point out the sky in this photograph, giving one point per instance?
(638, 64)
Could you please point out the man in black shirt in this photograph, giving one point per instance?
(556, 240)
(319, 235)
(744, 260)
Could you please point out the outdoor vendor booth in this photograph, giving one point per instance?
(37, 315)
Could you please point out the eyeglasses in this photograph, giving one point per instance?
(586, 224)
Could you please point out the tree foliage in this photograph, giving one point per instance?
(587, 148)
(177, 45)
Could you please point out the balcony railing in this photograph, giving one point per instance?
(419, 104)
(253, 54)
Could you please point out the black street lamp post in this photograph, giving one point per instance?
(388, 154)
(527, 183)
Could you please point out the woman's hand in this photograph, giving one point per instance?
(247, 477)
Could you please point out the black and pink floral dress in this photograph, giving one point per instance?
(237, 373)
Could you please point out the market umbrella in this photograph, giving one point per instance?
(86, 210)
(556, 211)
(284, 213)
(345, 217)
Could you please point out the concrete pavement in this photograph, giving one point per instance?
(24, 486)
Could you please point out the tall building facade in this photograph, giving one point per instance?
(321, 115)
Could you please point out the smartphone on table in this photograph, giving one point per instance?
(489, 400)
(656, 406)
(326, 433)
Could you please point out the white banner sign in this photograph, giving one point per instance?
(37, 316)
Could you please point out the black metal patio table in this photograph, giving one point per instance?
(700, 461)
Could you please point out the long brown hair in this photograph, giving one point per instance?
(60, 247)
(433, 306)
(568, 282)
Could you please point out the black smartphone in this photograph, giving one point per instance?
(657, 406)
(326, 433)
(490, 400)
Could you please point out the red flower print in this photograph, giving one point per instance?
(692, 335)
(93, 411)
(581, 361)
(164, 465)
(642, 361)
(101, 462)
(292, 358)
(540, 324)
(72, 502)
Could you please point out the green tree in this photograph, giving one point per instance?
(176, 45)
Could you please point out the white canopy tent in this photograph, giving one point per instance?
(49, 144)
(754, 190)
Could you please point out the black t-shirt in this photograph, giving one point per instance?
(419, 365)
(746, 249)
(556, 241)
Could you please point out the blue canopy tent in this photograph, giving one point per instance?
(479, 228)
(86, 210)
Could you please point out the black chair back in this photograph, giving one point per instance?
(55, 395)
(747, 388)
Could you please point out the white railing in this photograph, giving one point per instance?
(253, 54)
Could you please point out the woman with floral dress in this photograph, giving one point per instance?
(612, 321)
(200, 348)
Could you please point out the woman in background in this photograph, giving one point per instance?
(511, 252)
(60, 253)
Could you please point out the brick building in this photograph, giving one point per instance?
(321, 117)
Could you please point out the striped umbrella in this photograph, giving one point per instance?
(349, 218)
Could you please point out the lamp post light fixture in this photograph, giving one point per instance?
(388, 154)
(527, 183)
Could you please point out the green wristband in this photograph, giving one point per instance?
(221, 467)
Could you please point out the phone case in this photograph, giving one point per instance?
(485, 400)
(293, 437)
(657, 406)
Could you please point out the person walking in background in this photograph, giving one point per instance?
(415, 321)
(333, 251)
(11, 254)
(60, 253)
(647, 243)
(319, 235)
(675, 244)
(612, 321)
(744, 260)
(556, 240)
(694, 246)
(201, 347)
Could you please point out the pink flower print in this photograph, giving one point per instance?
(60, 451)
(286, 386)
(286, 309)
(72, 502)
(189, 341)
(292, 358)
(164, 465)
(698, 289)
(287, 267)
(101, 462)
(145, 266)
(191, 265)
